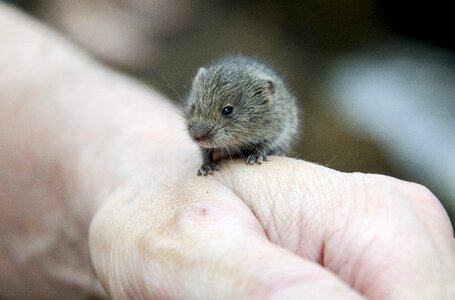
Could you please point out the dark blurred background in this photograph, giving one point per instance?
(376, 79)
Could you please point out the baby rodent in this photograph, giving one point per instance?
(240, 107)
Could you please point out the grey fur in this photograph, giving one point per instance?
(264, 120)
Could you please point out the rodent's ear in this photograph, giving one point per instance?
(270, 86)
(265, 89)
(266, 82)
(199, 73)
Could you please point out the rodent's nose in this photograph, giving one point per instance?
(200, 137)
(199, 132)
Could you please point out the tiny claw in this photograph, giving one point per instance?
(207, 169)
(258, 158)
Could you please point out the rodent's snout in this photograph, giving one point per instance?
(199, 131)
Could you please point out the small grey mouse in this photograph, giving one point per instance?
(238, 106)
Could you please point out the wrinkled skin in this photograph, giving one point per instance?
(275, 231)
(88, 167)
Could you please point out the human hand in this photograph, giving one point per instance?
(79, 137)
(284, 230)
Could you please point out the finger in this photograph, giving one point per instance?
(201, 242)
(396, 252)
(381, 236)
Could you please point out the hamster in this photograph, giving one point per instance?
(239, 107)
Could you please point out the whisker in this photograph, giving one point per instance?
(238, 151)
(170, 86)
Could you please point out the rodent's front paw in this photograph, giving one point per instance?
(256, 158)
(206, 169)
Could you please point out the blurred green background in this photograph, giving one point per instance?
(164, 42)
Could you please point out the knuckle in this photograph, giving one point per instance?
(396, 186)
(415, 198)
(417, 190)
(428, 206)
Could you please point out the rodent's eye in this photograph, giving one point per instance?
(227, 110)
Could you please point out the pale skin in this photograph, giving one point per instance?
(96, 167)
